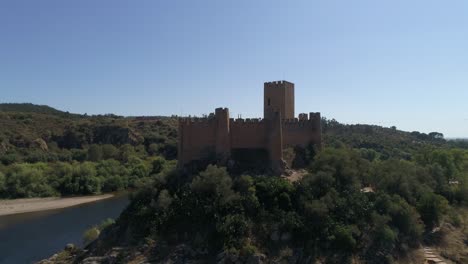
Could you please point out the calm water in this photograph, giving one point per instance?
(29, 237)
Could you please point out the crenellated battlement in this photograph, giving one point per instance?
(246, 120)
(221, 110)
(303, 117)
(196, 120)
(303, 120)
(281, 82)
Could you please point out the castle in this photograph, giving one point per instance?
(220, 136)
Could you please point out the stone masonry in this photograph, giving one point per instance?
(218, 134)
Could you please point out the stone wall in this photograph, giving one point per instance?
(216, 136)
(302, 131)
(204, 137)
(278, 97)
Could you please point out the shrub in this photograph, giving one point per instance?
(90, 235)
(214, 181)
(109, 151)
(28, 180)
(432, 208)
(106, 223)
(2, 185)
(343, 239)
(164, 200)
(95, 153)
(158, 165)
(233, 229)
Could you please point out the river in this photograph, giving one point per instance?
(30, 237)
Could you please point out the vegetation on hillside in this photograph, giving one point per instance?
(326, 215)
(372, 195)
(46, 152)
(32, 108)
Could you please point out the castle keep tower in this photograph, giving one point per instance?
(221, 137)
(278, 97)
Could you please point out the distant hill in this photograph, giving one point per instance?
(458, 139)
(22, 125)
(31, 108)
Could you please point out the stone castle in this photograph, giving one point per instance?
(220, 136)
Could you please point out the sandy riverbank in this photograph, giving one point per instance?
(17, 206)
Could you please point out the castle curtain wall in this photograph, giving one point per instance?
(248, 134)
(217, 135)
(197, 138)
(302, 132)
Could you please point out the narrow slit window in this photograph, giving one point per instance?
(268, 101)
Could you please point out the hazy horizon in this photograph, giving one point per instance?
(391, 63)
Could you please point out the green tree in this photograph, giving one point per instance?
(233, 229)
(113, 174)
(346, 166)
(109, 151)
(95, 153)
(9, 158)
(2, 185)
(343, 239)
(59, 174)
(432, 208)
(214, 181)
(153, 149)
(158, 165)
(138, 171)
(83, 180)
(79, 154)
(28, 180)
(126, 151)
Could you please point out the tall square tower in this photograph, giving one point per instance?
(278, 97)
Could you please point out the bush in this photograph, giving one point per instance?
(93, 233)
(82, 180)
(2, 185)
(432, 208)
(106, 223)
(90, 235)
(95, 153)
(158, 165)
(28, 180)
(233, 229)
(164, 200)
(214, 181)
(9, 158)
(343, 239)
(109, 151)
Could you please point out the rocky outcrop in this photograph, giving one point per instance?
(66, 256)
(40, 143)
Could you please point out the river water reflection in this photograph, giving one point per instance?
(29, 237)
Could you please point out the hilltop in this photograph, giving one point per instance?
(416, 193)
(27, 129)
(32, 108)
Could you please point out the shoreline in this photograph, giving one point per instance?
(28, 205)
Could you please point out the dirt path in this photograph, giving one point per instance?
(432, 258)
(17, 206)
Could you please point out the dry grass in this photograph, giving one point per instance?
(454, 240)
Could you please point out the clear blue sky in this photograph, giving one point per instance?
(389, 62)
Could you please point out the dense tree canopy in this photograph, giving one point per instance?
(372, 193)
